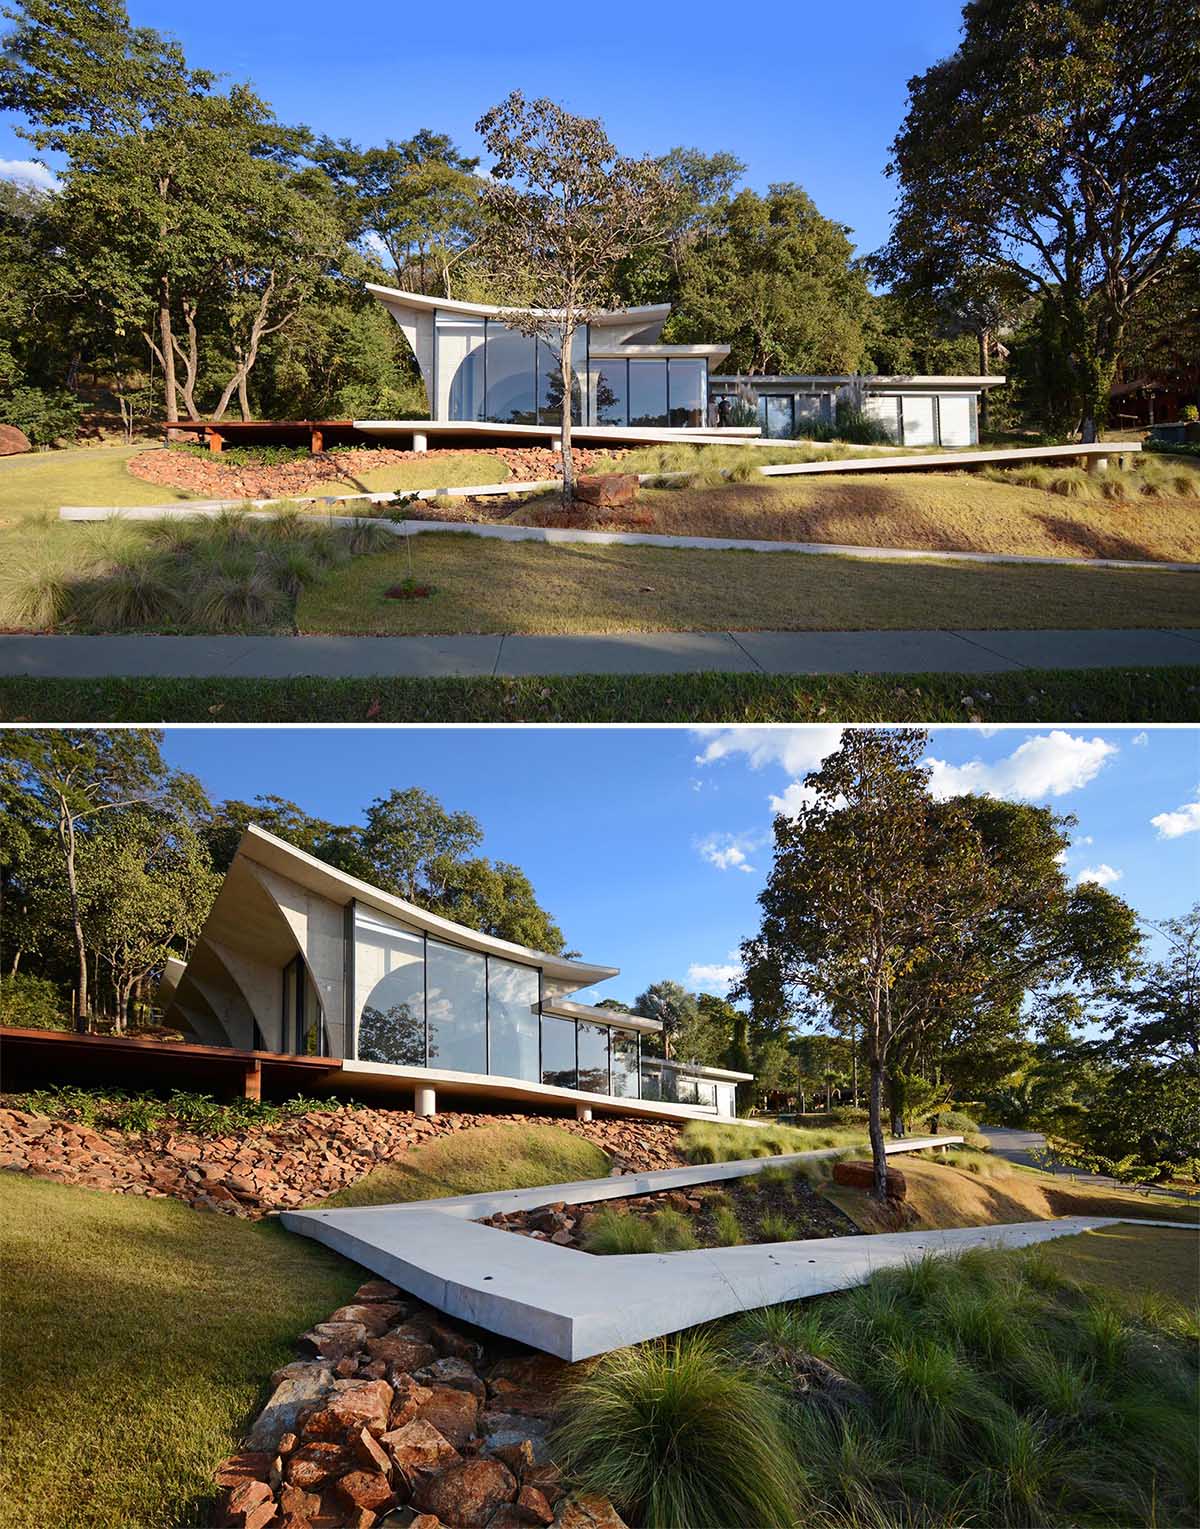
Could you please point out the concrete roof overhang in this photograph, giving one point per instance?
(569, 1009)
(261, 848)
(870, 380)
(398, 298)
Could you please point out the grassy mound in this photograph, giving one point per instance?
(703, 1141)
(138, 1339)
(970, 1188)
(983, 1390)
(472, 1162)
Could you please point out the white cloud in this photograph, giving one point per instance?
(1061, 857)
(797, 749)
(1140, 740)
(1103, 875)
(29, 172)
(728, 852)
(1084, 839)
(1184, 820)
(1051, 764)
(796, 796)
(718, 977)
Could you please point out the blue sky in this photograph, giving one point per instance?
(807, 93)
(650, 845)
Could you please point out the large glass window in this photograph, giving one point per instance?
(558, 1052)
(593, 1058)
(389, 990)
(456, 1000)
(513, 993)
(647, 393)
(609, 392)
(624, 1059)
(652, 1081)
(775, 412)
(550, 387)
(460, 368)
(689, 380)
(511, 376)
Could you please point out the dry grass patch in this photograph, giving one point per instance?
(943, 1194)
(1131, 1262)
(941, 512)
(487, 586)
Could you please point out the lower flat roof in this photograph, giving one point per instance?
(622, 434)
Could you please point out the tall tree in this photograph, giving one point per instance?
(563, 212)
(778, 281)
(671, 1005)
(65, 781)
(866, 883)
(1057, 144)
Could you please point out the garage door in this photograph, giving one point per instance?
(887, 412)
(956, 420)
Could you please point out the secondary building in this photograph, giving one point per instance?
(298, 958)
(914, 411)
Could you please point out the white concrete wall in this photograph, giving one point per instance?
(318, 926)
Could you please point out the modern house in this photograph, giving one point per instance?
(915, 411)
(299, 959)
(484, 377)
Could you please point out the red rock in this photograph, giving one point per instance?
(376, 1317)
(312, 1465)
(454, 1372)
(335, 1340)
(407, 1400)
(518, 1457)
(426, 1521)
(548, 1480)
(607, 489)
(376, 1290)
(587, 1510)
(13, 441)
(250, 1465)
(862, 1176)
(532, 1506)
(405, 1353)
(419, 1447)
(452, 1412)
(371, 1455)
(352, 1405)
(296, 1501)
(366, 1489)
(519, 1399)
(246, 1496)
(467, 1494)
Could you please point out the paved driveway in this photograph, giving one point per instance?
(1020, 1146)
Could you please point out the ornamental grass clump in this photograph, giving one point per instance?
(35, 592)
(615, 1231)
(680, 1436)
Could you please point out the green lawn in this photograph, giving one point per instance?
(475, 1161)
(139, 1339)
(1069, 696)
(1131, 1262)
(491, 586)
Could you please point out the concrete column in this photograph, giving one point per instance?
(420, 441)
(1097, 464)
(583, 1112)
(424, 1100)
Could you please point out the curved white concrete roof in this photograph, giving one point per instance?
(306, 870)
(397, 297)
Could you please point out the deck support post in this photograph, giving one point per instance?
(424, 1100)
(1096, 464)
(215, 441)
(252, 1081)
(583, 1112)
(316, 440)
(420, 441)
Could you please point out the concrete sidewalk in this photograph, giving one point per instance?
(885, 652)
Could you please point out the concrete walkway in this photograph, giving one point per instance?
(575, 1304)
(884, 652)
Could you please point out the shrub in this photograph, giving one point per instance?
(35, 593)
(672, 1231)
(615, 1231)
(851, 425)
(776, 1227)
(1189, 413)
(44, 415)
(129, 595)
(114, 1109)
(728, 1227)
(32, 1003)
(678, 1436)
(237, 601)
(955, 1123)
(365, 536)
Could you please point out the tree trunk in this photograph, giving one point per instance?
(244, 398)
(167, 347)
(66, 834)
(568, 467)
(875, 1131)
(985, 348)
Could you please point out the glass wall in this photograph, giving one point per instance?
(550, 387)
(389, 990)
(558, 1052)
(624, 1063)
(514, 993)
(456, 1007)
(687, 386)
(647, 393)
(511, 376)
(675, 1087)
(609, 393)
(460, 360)
(593, 1058)
(303, 1025)
(775, 415)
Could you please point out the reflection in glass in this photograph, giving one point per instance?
(652, 1080)
(593, 1058)
(609, 392)
(513, 993)
(460, 359)
(558, 1052)
(511, 379)
(550, 389)
(389, 991)
(624, 1054)
(647, 393)
(777, 420)
(689, 381)
(456, 1005)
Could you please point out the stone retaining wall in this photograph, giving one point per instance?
(279, 1167)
